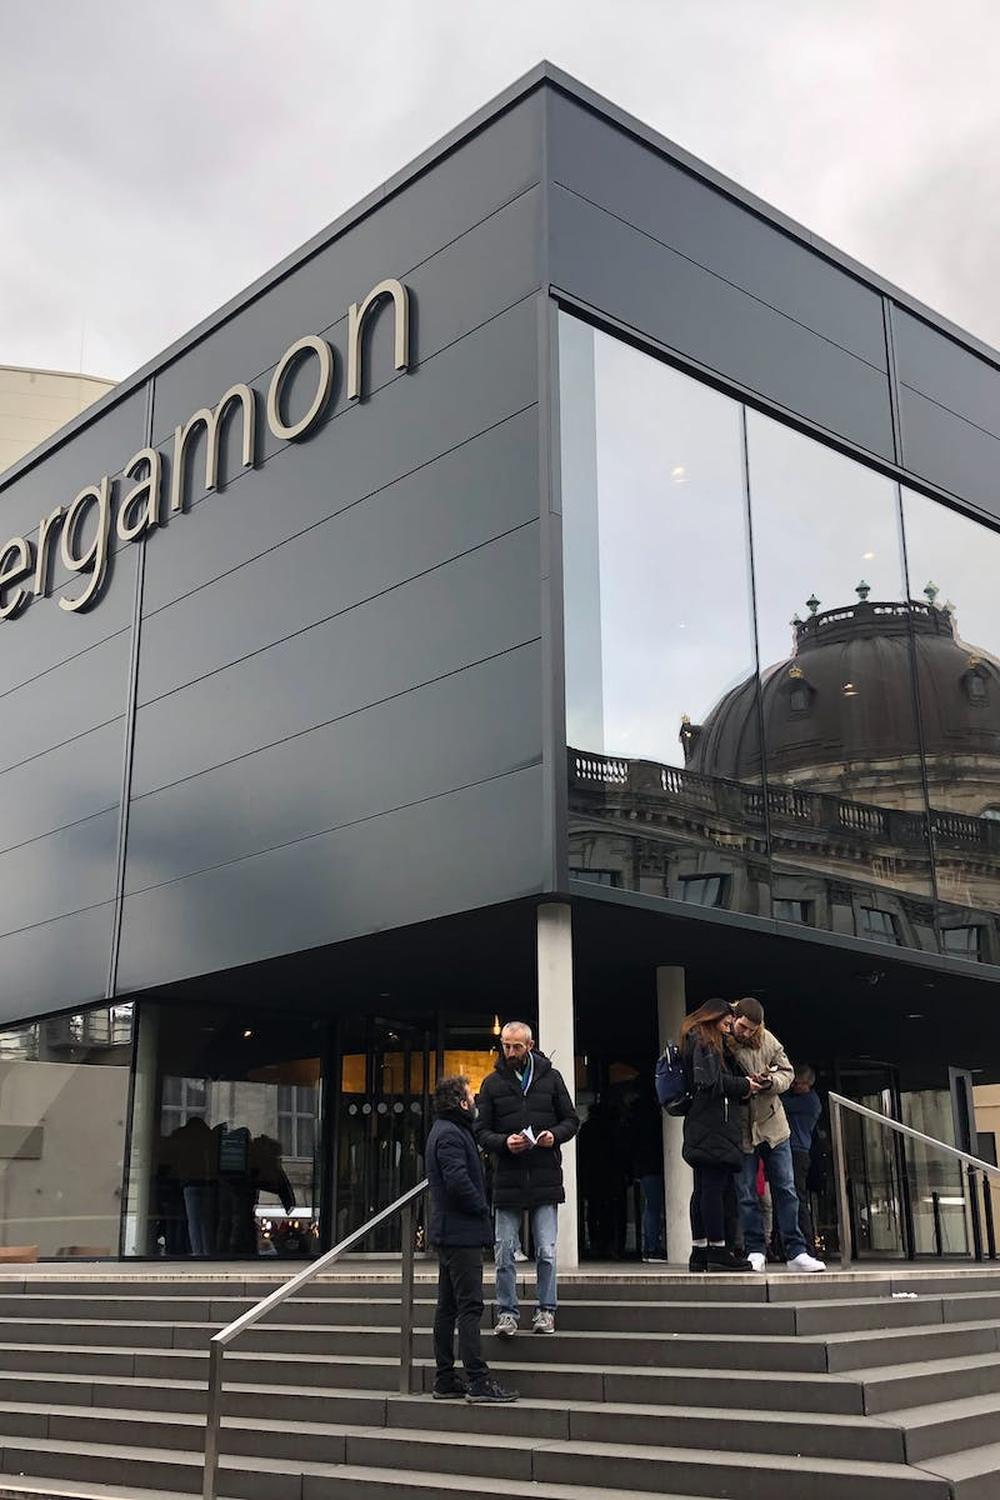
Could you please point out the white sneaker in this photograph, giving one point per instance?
(757, 1260)
(805, 1262)
(506, 1325)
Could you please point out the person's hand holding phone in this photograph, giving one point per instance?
(518, 1143)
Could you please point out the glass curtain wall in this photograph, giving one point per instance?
(225, 1134)
(659, 631)
(64, 1086)
(772, 657)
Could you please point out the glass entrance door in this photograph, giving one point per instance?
(876, 1165)
(387, 1073)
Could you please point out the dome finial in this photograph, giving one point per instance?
(813, 603)
(863, 590)
(930, 593)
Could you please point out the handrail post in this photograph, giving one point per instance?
(991, 1234)
(977, 1227)
(936, 1214)
(213, 1419)
(406, 1303)
(840, 1171)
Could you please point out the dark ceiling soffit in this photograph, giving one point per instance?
(541, 73)
(883, 954)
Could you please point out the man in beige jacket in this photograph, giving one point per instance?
(759, 1054)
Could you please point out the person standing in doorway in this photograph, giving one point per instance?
(459, 1229)
(765, 1137)
(803, 1110)
(525, 1116)
(712, 1131)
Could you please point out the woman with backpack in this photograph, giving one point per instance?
(711, 1131)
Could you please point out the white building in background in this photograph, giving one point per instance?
(35, 403)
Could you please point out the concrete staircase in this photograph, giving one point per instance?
(827, 1388)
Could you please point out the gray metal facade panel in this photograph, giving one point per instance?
(62, 786)
(939, 368)
(81, 694)
(644, 284)
(405, 866)
(440, 510)
(950, 452)
(601, 162)
(58, 965)
(62, 873)
(470, 386)
(439, 206)
(463, 612)
(46, 636)
(475, 725)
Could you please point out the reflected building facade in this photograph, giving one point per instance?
(851, 785)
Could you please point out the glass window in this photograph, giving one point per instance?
(792, 911)
(965, 941)
(953, 565)
(878, 924)
(224, 1133)
(704, 890)
(63, 1102)
(845, 776)
(658, 627)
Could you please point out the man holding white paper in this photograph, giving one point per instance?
(525, 1116)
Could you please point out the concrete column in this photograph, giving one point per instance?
(677, 1178)
(139, 1206)
(556, 1037)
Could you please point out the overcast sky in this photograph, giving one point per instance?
(157, 155)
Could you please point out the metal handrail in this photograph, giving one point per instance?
(973, 1165)
(220, 1341)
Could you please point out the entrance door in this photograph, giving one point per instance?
(876, 1165)
(386, 1075)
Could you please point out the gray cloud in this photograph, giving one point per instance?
(154, 157)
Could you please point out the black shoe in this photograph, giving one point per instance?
(699, 1258)
(488, 1390)
(455, 1389)
(721, 1259)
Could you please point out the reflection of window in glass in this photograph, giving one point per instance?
(793, 911)
(297, 1119)
(703, 890)
(964, 941)
(183, 1099)
(596, 877)
(879, 924)
(991, 814)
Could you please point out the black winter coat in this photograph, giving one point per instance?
(711, 1125)
(529, 1178)
(460, 1213)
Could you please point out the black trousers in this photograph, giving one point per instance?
(459, 1299)
(708, 1216)
(800, 1166)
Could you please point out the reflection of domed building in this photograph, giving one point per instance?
(839, 714)
(844, 818)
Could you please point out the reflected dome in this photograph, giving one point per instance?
(838, 714)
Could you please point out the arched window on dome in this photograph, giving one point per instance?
(800, 693)
(992, 814)
(976, 684)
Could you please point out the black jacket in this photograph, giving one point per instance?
(711, 1125)
(460, 1214)
(530, 1178)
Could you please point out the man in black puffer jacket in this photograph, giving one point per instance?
(525, 1115)
(459, 1228)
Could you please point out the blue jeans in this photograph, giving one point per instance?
(652, 1213)
(780, 1174)
(544, 1226)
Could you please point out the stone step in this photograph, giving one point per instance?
(868, 1348)
(973, 1474)
(320, 1431)
(609, 1471)
(900, 1386)
(946, 1426)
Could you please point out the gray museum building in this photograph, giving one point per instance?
(564, 589)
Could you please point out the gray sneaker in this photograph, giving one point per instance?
(543, 1321)
(506, 1325)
